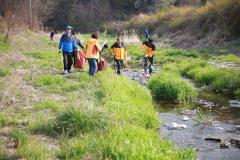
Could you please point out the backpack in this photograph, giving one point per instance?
(80, 61)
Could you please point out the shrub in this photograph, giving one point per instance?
(166, 86)
(76, 120)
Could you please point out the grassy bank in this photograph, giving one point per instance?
(170, 87)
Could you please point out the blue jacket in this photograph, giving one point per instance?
(67, 43)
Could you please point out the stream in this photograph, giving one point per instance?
(208, 124)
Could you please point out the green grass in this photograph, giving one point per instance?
(123, 143)
(82, 120)
(237, 93)
(48, 104)
(4, 120)
(49, 81)
(127, 100)
(180, 52)
(28, 147)
(133, 133)
(167, 86)
(216, 78)
(205, 75)
(4, 46)
(228, 58)
(4, 72)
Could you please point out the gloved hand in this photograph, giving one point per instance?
(105, 46)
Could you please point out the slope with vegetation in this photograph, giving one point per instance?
(211, 25)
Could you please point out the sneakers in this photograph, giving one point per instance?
(65, 72)
(147, 75)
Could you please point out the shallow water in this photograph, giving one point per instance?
(219, 123)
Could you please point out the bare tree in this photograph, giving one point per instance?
(9, 18)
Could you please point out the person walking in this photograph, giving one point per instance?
(119, 52)
(77, 40)
(52, 35)
(92, 53)
(149, 48)
(68, 46)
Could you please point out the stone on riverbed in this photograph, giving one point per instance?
(175, 125)
(234, 103)
(185, 118)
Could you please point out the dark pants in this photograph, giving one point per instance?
(119, 65)
(67, 60)
(148, 64)
(92, 66)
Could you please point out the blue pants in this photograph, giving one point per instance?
(92, 66)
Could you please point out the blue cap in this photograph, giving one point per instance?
(69, 27)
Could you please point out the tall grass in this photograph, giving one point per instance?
(216, 78)
(79, 120)
(28, 147)
(128, 102)
(123, 143)
(167, 86)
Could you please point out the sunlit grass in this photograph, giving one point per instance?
(167, 86)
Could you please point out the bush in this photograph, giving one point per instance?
(166, 86)
(76, 120)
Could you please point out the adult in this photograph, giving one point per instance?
(92, 53)
(68, 46)
(149, 48)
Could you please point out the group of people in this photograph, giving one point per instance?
(69, 44)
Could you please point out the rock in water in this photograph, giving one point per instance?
(185, 118)
(235, 142)
(234, 103)
(174, 125)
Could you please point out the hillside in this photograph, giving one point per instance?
(211, 26)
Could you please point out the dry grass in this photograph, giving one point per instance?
(219, 15)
